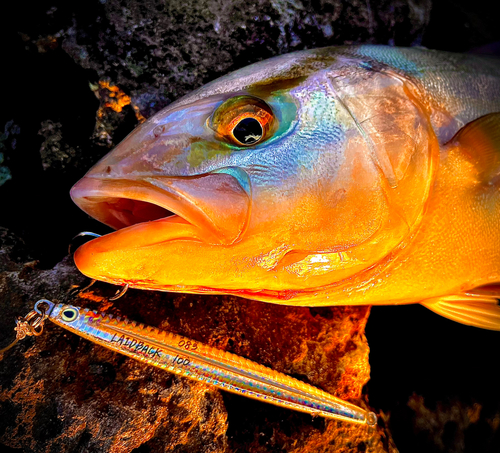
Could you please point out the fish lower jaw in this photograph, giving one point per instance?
(128, 255)
(144, 235)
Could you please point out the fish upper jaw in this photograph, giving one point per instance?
(215, 205)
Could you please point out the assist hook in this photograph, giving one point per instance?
(78, 289)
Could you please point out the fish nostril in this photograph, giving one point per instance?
(108, 170)
(158, 130)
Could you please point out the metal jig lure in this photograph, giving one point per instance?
(191, 359)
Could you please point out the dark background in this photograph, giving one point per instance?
(424, 368)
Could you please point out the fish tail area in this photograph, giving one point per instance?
(472, 308)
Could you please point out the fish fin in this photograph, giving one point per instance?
(492, 290)
(472, 309)
(480, 142)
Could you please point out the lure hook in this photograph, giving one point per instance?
(120, 292)
(77, 289)
(82, 234)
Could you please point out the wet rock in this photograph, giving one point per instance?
(55, 152)
(8, 141)
(158, 51)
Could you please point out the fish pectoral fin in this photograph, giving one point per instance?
(480, 143)
(472, 309)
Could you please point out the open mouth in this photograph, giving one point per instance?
(123, 212)
(120, 203)
(214, 204)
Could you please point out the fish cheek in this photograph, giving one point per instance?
(328, 224)
(357, 207)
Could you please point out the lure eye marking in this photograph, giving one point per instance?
(69, 314)
(243, 121)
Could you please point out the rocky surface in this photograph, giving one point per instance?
(78, 76)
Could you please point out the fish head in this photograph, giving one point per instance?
(266, 183)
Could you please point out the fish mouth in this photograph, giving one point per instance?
(214, 206)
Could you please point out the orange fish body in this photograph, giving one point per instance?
(351, 175)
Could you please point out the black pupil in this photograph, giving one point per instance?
(248, 131)
(69, 314)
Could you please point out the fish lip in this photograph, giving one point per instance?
(91, 193)
(100, 197)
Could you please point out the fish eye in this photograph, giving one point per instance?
(243, 121)
(69, 314)
(248, 131)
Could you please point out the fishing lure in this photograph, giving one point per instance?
(191, 359)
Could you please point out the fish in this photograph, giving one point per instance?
(352, 175)
(195, 360)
